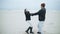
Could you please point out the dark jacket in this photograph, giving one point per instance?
(41, 13)
(27, 15)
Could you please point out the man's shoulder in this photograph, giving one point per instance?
(43, 9)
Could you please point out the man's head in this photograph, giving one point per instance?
(42, 5)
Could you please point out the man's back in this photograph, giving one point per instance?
(41, 14)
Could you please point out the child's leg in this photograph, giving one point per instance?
(30, 27)
(27, 29)
(30, 23)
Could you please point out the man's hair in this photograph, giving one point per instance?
(43, 4)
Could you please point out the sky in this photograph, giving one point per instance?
(29, 4)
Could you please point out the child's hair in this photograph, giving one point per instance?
(43, 4)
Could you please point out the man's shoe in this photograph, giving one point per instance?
(38, 32)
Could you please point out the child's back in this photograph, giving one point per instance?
(27, 14)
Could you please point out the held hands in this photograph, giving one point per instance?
(28, 11)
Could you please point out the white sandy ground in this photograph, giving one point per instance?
(13, 22)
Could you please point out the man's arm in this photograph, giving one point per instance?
(36, 13)
(32, 14)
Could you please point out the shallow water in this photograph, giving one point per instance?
(13, 22)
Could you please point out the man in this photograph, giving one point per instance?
(28, 18)
(41, 13)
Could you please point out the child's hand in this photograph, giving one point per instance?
(25, 10)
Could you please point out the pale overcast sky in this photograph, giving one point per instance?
(29, 4)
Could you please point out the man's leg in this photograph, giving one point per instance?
(40, 25)
(39, 28)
